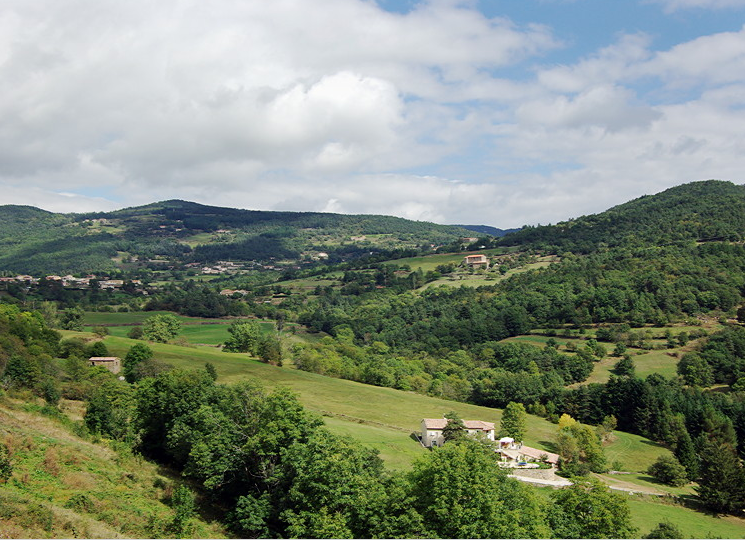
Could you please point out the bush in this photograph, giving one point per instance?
(6, 467)
(135, 333)
(668, 470)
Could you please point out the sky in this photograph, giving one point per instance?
(495, 112)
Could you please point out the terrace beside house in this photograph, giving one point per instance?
(515, 454)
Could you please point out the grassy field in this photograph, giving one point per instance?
(647, 512)
(661, 361)
(477, 280)
(195, 331)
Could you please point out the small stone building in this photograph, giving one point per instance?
(432, 430)
(112, 363)
(476, 261)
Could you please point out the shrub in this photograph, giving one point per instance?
(6, 466)
(668, 470)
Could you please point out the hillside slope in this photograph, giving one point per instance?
(38, 242)
(698, 211)
(66, 487)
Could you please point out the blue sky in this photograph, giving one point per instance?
(501, 112)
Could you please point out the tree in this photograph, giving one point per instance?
(513, 422)
(721, 484)
(695, 370)
(455, 429)
(101, 331)
(605, 429)
(461, 492)
(588, 509)
(211, 370)
(269, 350)
(50, 390)
(625, 366)
(137, 354)
(161, 328)
(182, 503)
(135, 333)
(579, 448)
(72, 319)
(98, 349)
(244, 337)
(685, 452)
(668, 470)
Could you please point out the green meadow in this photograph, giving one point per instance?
(194, 330)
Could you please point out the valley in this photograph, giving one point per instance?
(248, 337)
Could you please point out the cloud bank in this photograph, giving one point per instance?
(439, 113)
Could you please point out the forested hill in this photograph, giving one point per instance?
(486, 229)
(698, 211)
(38, 242)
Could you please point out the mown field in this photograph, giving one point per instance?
(195, 331)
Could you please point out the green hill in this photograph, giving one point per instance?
(698, 211)
(38, 242)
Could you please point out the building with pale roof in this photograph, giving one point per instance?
(432, 430)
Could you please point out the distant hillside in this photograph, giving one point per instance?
(38, 242)
(698, 211)
(486, 229)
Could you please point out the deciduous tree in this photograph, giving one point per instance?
(513, 424)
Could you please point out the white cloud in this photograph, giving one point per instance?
(676, 5)
(186, 93)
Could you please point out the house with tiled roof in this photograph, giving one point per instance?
(476, 261)
(516, 454)
(432, 430)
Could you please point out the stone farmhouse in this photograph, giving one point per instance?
(432, 430)
(476, 261)
(112, 363)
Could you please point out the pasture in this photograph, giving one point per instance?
(194, 330)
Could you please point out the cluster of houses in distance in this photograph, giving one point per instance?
(72, 282)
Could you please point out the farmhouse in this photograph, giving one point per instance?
(432, 430)
(516, 454)
(476, 261)
(112, 363)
